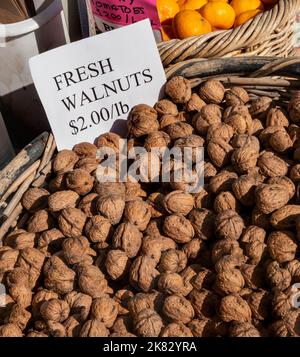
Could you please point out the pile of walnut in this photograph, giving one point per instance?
(115, 259)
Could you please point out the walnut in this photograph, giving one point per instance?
(243, 329)
(202, 221)
(179, 89)
(36, 334)
(203, 328)
(179, 130)
(110, 140)
(152, 247)
(18, 277)
(128, 238)
(85, 150)
(71, 222)
(104, 309)
(80, 304)
(35, 199)
(142, 120)
(276, 117)
(219, 152)
(155, 201)
(64, 161)
(204, 303)
(8, 259)
(295, 173)
(62, 199)
(260, 107)
(285, 217)
(58, 277)
(225, 201)
(203, 279)
(244, 159)
(143, 273)
(55, 310)
(241, 123)
(50, 240)
(157, 139)
(193, 142)
(10, 330)
(20, 239)
(260, 219)
(245, 140)
(253, 242)
(148, 323)
(172, 261)
(111, 207)
(294, 110)
(18, 316)
(88, 164)
(267, 133)
(281, 304)
(209, 115)
(94, 328)
(58, 183)
(41, 296)
(257, 127)
(225, 247)
(91, 281)
(278, 277)
(117, 264)
(31, 260)
(260, 304)
(139, 302)
(272, 165)
(167, 120)
(282, 246)
(137, 213)
(285, 182)
(280, 141)
(79, 181)
(178, 202)
(171, 283)
(253, 276)
(212, 91)
(271, 197)
(76, 250)
(234, 308)
(223, 181)
(229, 225)
(176, 330)
(195, 104)
(236, 96)
(229, 282)
(39, 222)
(98, 229)
(294, 268)
(178, 309)
(165, 107)
(178, 228)
(203, 199)
(229, 262)
(21, 294)
(72, 327)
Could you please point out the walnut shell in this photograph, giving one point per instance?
(71, 222)
(212, 91)
(202, 221)
(195, 104)
(252, 241)
(225, 201)
(39, 222)
(178, 228)
(178, 202)
(165, 107)
(271, 165)
(269, 198)
(88, 164)
(128, 238)
(171, 283)
(91, 281)
(111, 207)
(219, 152)
(276, 117)
(176, 330)
(243, 329)
(61, 200)
(204, 303)
(143, 273)
(10, 330)
(209, 115)
(79, 181)
(229, 225)
(142, 120)
(55, 310)
(229, 282)
(98, 229)
(219, 131)
(172, 261)
(94, 328)
(244, 159)
(285, 182)
(278, 277)
(179, 130)
(236, 96)
(260, 107)
(192, 143)
(294, 110)
(76, 250)
(148, 323)
(285, 217)
(282, 246)
(178, 309)
(50, 240)
(179, 89)
(157, 139)
(241, 123)
(104, 309)
(137, 213)
(85, 150)
(20, 239)
(223, 181)
(234, 308)
(117, 264)
(35, 199)
(64, 161)
(18, 316)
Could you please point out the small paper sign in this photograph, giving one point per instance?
(88, 87)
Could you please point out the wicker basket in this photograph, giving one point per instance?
(268, 34)
(276, 78)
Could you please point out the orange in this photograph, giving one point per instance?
(219, 14)
(193, 4)
(218, 0)
(245, 16)
(181, 2)
(241, 6)
(189, 23)
(167, 9)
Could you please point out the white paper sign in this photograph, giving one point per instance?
(88, 87)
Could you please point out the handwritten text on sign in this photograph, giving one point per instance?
(88, 86)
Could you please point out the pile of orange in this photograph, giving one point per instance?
(186, 18)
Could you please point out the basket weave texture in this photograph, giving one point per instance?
(268, 34)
